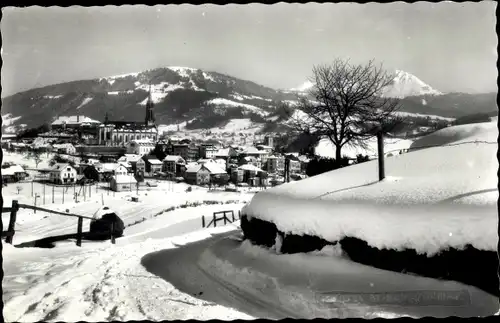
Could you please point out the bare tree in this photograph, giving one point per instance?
(347, 104)
(35, 155)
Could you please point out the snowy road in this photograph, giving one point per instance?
(262, 284)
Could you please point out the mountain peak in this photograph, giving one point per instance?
(303, 87)
(406, 84)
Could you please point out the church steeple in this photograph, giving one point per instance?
(150, 119)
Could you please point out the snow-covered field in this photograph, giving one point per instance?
(427, 202)
(20, 159)
(152, 201)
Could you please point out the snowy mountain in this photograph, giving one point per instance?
(406, 84)
(303, 87)
(179, 94)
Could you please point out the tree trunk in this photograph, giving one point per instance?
(338, 156)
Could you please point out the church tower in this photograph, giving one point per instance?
(150, 118)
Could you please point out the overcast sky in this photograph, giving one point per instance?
(450, 46)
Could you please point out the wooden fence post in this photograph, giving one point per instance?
(225, 218)
(203, 220)
(239, 214)
(12, 222)
(215, 222)
(79, 232)
(380, 148)
(113, 232)
(232, 216)
(53, 188)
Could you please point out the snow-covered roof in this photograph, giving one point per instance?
(130, 158)
(124, 179)
(427, 201)
(223, 152)
(250, 167)
(12, 170)
(303, 158)
(153, 161)
(60, 166)
(214, 168)
(193, 168)
(253, 151)
(173, 158)
(205, 160)
(107, 167)
(74, 120)
(125, 164)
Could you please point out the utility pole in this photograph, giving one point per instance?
(380, 148)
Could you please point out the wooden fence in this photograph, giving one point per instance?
(215, 218)
(9, 234)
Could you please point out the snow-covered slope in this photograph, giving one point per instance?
(427, 201)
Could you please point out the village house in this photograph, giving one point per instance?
(208, 151)
(120, 183)
(188, 151)
(254, 152)
(66, 148)
(250, 174)
(62, 174)
(251, 160)
(103, 172)
(174, 165)
(131, 159)
(140, 147)
(140, 166)
(226, 153)
(275, 164)
(237, 175)
(202, 174)
(149, 165)
(13, 173)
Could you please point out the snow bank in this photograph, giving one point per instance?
(427, 202)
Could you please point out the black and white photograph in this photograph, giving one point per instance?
(249, 161)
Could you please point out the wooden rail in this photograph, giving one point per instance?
(216, 219)
(9, 234)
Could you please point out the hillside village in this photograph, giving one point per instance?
(135, 154)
